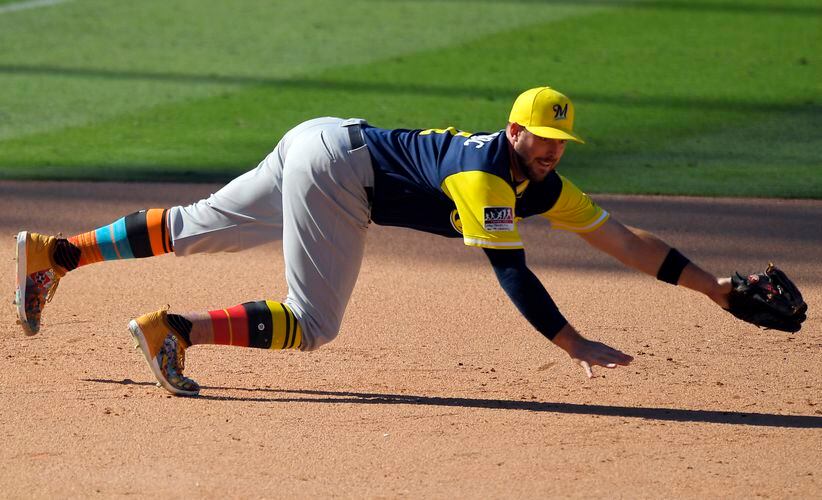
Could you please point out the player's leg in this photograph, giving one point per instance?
(325, 214)
(245, 213)
(43, 260)
(163, 337)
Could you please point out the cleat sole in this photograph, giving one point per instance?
(20, 290)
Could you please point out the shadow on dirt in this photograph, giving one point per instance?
(346, 397)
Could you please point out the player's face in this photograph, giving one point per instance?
(538, 156)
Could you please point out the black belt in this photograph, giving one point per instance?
(355, 135)
(357, 141)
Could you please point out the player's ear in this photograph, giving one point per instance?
(513, 130)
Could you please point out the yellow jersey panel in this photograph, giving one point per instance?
(575, 211)
(449, 130)
(485, 208)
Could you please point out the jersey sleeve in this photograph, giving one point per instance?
(575, 211)
(485, 205)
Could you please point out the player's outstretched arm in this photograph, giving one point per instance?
(767, 299)
(644, 251)
(533, 301)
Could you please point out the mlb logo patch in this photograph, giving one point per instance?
(499, 219)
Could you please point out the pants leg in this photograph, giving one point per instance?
(245, 213)
(310, 193)
(326, 215)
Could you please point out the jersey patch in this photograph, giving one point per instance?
(499, 219)
(456, 223)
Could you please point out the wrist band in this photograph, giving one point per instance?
(672, 266)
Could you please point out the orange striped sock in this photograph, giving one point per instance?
(138, 235)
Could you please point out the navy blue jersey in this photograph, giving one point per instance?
(459, 184)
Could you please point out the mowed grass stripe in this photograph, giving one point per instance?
(17, 5)
(31, 4)
(715, 115)
(103, 58)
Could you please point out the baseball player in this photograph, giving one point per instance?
(319, 189)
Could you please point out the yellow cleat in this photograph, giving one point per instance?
(164, 351)
(37, 278)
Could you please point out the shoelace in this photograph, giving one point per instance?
(53, 288)
(55, 280)
(178, 342)
(181, 355)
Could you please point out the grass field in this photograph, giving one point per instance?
(680, 97)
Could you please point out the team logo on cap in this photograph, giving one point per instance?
(499, 219)
(560, 112)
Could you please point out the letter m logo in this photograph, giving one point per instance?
(560, 112)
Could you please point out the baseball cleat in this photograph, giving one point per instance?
(37, 278)
(164, 351)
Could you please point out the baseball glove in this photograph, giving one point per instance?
(768, 300)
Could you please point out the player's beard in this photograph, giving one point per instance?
(531, 169)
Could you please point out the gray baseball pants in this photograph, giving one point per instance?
(310, 193)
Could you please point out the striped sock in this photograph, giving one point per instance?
(65, 254)
(263, 324)
(138, 235)
(180, 325)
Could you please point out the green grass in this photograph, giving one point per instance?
(672, 96)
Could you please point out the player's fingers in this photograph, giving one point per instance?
(623, 359)
(614, 356)
(588, 371)
(606, 363)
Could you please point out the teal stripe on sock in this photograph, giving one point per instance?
(113, 241)
(121, 239)
(105, 243)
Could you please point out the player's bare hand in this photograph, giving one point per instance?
(720, 292)
(589, 353)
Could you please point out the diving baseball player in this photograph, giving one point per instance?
(325, 181)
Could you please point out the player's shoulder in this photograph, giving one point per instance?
(483, 143)
(477, 152)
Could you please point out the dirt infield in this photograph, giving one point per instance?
(436, 386)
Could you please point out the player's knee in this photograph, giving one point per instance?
(315, 336)
(317, 330)
(314, 342)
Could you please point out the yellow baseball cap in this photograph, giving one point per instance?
(545, 112)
